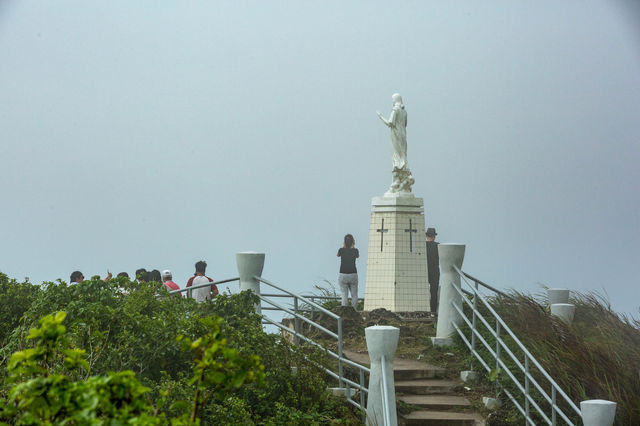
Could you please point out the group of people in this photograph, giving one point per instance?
(348, 276)
(200, 292)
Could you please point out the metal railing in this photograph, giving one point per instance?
(524, 367)
(188, 290)
(298, 310)
(298, 313)
(385, 396)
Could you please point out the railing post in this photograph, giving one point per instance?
(450, 255)
(382, 341)
(250, 265)
(313, 309)
(497, 349)
(526, 387)
(553, 406)
(340, 352)
(473, 323)
(362, 401)
(296, 321)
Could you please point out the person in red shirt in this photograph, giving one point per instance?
(167, 280)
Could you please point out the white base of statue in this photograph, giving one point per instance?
(397, 259)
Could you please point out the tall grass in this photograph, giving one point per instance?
(596, 357)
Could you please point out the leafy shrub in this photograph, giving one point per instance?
(49, 389)
(15, 299)
(126, 325)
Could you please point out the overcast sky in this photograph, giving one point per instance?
(155, 134)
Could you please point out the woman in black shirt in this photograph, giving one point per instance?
(348, 277)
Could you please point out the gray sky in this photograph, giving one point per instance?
(154, 134)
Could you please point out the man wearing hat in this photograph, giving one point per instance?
(167, 280)
(433, 265)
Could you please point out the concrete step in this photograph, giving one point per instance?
(425, 386)
(436, 402)
(403, 369)
(442, 418)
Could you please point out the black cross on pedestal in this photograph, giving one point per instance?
(410, 231)
(382, 231)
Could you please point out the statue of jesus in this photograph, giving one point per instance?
(397, 122)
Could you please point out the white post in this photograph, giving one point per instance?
(450, 255)
(382, 341)
(250, 264)
(598, 412)
(564, 311)
(557, 295)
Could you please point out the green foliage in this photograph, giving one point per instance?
(45, 393)
(219, 370)
(132, 328)
(15, 299)
(589, 359)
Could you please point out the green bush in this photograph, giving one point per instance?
(131, 326)
(15, 299)
(49, 387)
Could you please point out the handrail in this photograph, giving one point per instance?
(315, 305)
(487, 286)
(307, 320)
(526, 351)
(296, 333)
(500, 344)
(193, 287)
(312, 296)
(299, 336)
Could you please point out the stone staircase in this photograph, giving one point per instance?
(424, 388)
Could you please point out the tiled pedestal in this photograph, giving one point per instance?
(397, 258)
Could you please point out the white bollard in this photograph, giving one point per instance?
(598, 412)
(557, 295)
(382, 341)
(564, 311)
(468, 376)
(491, 403)
(250, 264)
(450, 255)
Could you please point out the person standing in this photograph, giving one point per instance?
(203, 293)
(167, 280)
(433, 266)
(348, 277)
(76, 277)
(154, 276)
(142, 275)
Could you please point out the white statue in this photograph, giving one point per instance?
(397, 122)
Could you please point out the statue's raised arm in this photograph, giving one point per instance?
(384, 120)
(397, 122)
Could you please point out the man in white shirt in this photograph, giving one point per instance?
(206, 292)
